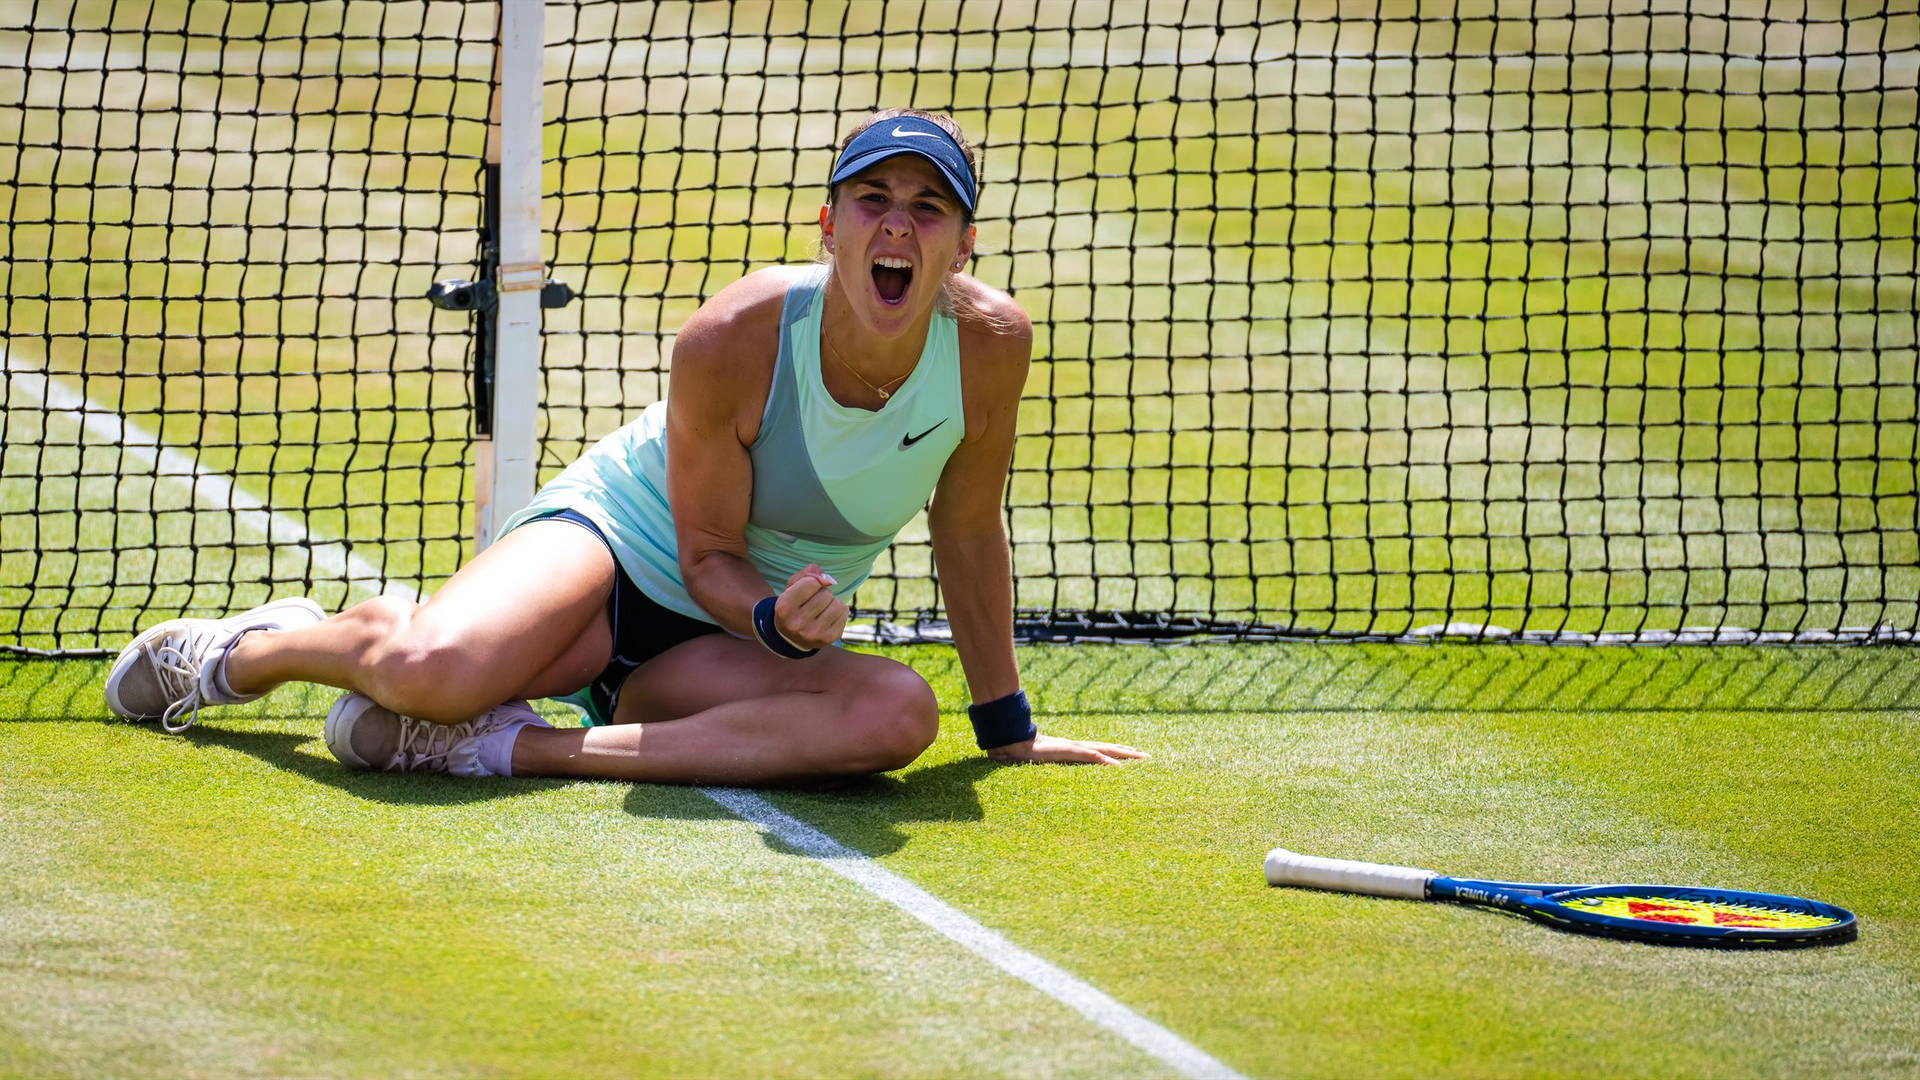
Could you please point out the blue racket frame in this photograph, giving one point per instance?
(1542, 901)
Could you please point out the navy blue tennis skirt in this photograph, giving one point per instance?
(642, 630)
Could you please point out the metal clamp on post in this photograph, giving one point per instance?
(454, 294)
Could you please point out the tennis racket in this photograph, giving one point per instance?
(1660, 914)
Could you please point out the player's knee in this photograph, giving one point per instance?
(422, 673)
(901, 716)
(383, 616)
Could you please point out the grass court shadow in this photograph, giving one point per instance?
(1301, 677)
(70, 692)
(866, 813)
(1352, 677)
(40, 690)
(283, 751)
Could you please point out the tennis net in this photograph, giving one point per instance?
(1569, 318)
(1578, 319)
(223, 379)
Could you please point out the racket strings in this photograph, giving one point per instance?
(1678, 911)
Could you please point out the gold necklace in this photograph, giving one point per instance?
(882, 389)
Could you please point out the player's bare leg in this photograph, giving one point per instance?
(720, 710)
(526, 618)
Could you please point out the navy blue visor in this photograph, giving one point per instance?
(909, 135)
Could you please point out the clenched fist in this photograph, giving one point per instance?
(807, 613)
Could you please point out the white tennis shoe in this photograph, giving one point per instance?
(174, 667)
(364, 734)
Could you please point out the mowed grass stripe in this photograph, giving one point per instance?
(1048, 980)
(127, 526)
(1147, 880)
(96, 980)
(250, 514)
(1163, 1045)
(413, 925)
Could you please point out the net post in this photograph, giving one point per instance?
(505, 446)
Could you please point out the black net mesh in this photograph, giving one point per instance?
(223, 381)
(1571, 317)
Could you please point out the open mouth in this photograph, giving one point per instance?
(891, 276)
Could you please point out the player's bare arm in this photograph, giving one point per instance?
(969, 535)
(723, 363)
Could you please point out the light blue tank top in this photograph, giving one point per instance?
(831, 485)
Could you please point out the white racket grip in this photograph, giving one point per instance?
(1345, 875)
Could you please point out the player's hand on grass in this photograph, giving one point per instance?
(1051, 750)
(807, 613)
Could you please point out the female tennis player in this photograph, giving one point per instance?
(684, 580)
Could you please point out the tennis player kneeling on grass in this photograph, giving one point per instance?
(682, 582)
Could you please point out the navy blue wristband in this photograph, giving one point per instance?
(1002, 721)
(769, 634)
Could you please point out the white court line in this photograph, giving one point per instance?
(330, 557)
(1055, 982)
(1164, 1046)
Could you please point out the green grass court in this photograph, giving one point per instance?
(235, 903)
(1367, 321)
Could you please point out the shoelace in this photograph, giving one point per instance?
(438, 741)
(179, 676)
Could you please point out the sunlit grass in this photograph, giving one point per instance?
(300, 911)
